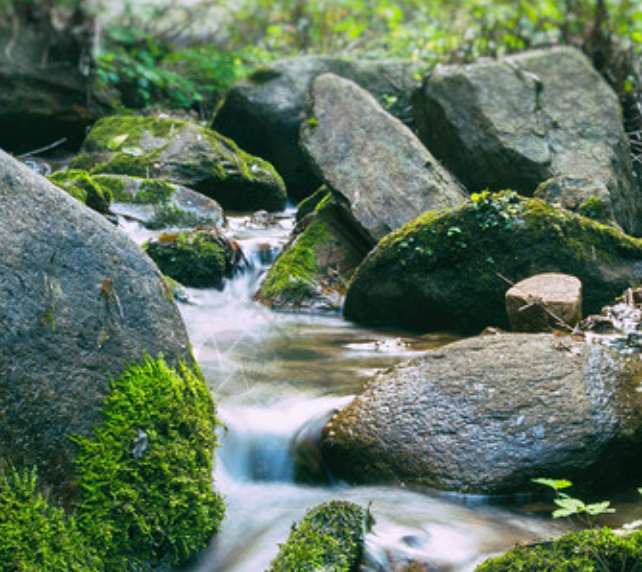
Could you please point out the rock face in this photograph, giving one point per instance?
(544, 302)
(486, 414)
(516, 122)
(451, 270)
(264, 112)
(312, 271)
(372, 158)
(79, 302)
(183, 153)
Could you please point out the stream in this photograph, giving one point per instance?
(276, 378)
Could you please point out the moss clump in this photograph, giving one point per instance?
(34, 535)
(114, 185)
(293, 277)
(587, 551)
(146, 474)
(201, 258)
(595, 208)
(81, 186)
(451, 269)
(330, 537)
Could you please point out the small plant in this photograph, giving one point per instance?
(574, 507)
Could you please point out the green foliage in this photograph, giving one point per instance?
(596, 550)
(36, 536)
(146, 474)
(330, 537)
(81, 186)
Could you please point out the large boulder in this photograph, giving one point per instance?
(372, 158)
(516, 122)
(264, 112)
(79, 302)
(488, 414)
(313, 269)
(451, 270)
(184, 153)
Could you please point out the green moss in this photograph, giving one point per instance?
(200, 258)
(166, 216)
(293, 276)
(114, 185)
(594, 208)
(330, 537)
(81, 186)
(587, 551)
(146, 474)
(140, 165)
(34, 534)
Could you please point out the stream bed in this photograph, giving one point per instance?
(276, 378)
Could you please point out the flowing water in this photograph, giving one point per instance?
(276, 378)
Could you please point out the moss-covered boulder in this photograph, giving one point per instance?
(184, 153)
(451, 269)
(313, 269)
(201, 258)
(80, 185)
(588, 551)
(159, 204)
(330, 537)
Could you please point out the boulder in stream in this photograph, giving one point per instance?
(264, 112)
(451, 269)
(358, 148)
(516, 122)
(184, 153)
(487, 414)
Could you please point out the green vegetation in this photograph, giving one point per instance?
(81, 186)
(146, 474)
(330, 537)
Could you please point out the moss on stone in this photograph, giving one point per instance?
(330, 537)
(81, 186)
(35, 535)
(199, 258)
(587, 551)
(594, 208)
(293, 276)
(146, 474)
(114, 185)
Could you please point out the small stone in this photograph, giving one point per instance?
(545, 302)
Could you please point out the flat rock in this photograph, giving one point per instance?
(362, 151)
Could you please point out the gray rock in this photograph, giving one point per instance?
(372, 158)
(487, 414)
(516, 122)
(79, 301)
(544, 302)
(264, 112)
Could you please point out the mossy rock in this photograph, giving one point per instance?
(201, 258)
(586, 551)
(160, 204)
(184, 153)
(330, 537)
(86, 189)
(451, 269)
(313, 270)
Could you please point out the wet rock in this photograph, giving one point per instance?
(545, 302)
(373, 159)
(519, 121)
(485, 414)
(264, 112)
(315, 265)
(201, 257)
(586, 197)
(79, 303)
(159, 204)
(183, 153)
(451, 270)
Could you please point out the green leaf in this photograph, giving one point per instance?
(555, 484)
(115, 142)
(599, 508)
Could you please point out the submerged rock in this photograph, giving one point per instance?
(264, 112)
(487, 414)
(79, 302)
(313, 269)
(330, 537)
(451, 270)
(183, 153)
(519, 121)
(373, 159)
